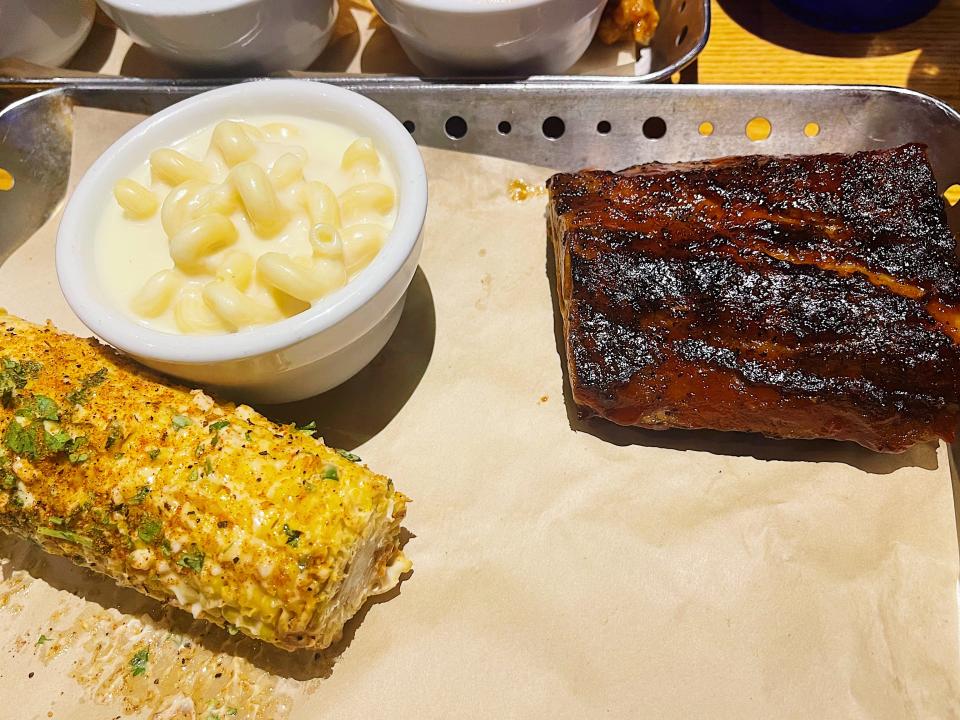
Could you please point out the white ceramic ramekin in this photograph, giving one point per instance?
(494, 37)
(250, 37)
(291, 359)
(46, 32)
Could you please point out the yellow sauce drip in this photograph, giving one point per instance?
(520, 190)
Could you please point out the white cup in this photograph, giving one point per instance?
(495, 37)
(293, 358)
(46, 32)
(250, 37)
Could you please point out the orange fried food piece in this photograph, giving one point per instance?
(628, 18)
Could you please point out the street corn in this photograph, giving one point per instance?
(210, 507)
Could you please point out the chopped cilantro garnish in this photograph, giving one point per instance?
(181, 421)
(20, 440)
(27, 434)
(103, 518)
(310, 428)
(138, 663)
(66, 535)
(41, 408)
(194, 475)
(56, 520)
(200, 450)
(114, 434)
(231, 711)
(62, 442)
(41, 640)
(14, 376)
(293, 536)
(56, 441)
(330, 472)
(207, 467)
(349, 456)
(150, 530)
(193, 559)
(75, 456)
(153, 453)
(218, 425)
(141, 495)
(82, 394)
(46, 408)
(7, 478)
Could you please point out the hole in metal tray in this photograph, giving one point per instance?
(504, 127)
(554, 127)
(683, 35)
(604, 127)
(410, 126)
(654, 128)
(455, 127)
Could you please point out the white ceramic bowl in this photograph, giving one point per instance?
(297, 357)
(46, 32)
(494, 37)
(250, 37)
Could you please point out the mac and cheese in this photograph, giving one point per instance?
(245, 223)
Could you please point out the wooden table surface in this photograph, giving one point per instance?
(751, 41)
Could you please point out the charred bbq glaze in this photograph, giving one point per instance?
(800, 297)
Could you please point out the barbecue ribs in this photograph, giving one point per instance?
(799, 297)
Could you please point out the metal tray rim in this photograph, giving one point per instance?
(98, 84)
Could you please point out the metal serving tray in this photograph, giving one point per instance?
(559, 124)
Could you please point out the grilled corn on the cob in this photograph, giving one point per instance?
(210, 507)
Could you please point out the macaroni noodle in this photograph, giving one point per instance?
(135, 199)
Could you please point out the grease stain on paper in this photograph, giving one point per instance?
(486, 281)
(181, 677)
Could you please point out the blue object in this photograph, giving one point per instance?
(857, 15)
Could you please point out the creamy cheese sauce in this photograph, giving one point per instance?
(254, 220)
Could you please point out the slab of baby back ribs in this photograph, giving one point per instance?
(798, 297)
